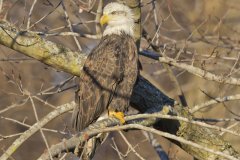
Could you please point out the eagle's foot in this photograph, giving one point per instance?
(118, 115)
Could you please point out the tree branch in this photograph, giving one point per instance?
(204, 149)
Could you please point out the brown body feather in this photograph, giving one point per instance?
(107, 79)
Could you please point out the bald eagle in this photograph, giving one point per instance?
(110, 71)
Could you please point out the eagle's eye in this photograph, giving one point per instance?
(114, 12)
(118, 13)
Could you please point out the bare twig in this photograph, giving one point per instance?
(229, 127)
(130, 146)
(215, 101)
(1, 5)
(30, 14)
(2, 137)
(98, 16)
(115, 147)
(27, 125)
(17, 104)
(158, 148)
(45, 16)
(70, 27)
(41, 131)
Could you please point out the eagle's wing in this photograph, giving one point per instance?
(102, 72)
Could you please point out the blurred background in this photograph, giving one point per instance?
(199, 32)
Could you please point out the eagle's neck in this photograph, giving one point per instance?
(126, 28)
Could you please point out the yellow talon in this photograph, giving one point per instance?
(118, 115)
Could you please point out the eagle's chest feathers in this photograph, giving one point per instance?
(119, 59)
(123, 46)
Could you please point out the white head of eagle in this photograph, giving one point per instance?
(119, 18)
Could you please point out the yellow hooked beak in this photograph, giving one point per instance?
(104, 19)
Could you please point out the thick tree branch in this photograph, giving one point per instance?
(192, 69)
(218, 152)
(200, 72)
